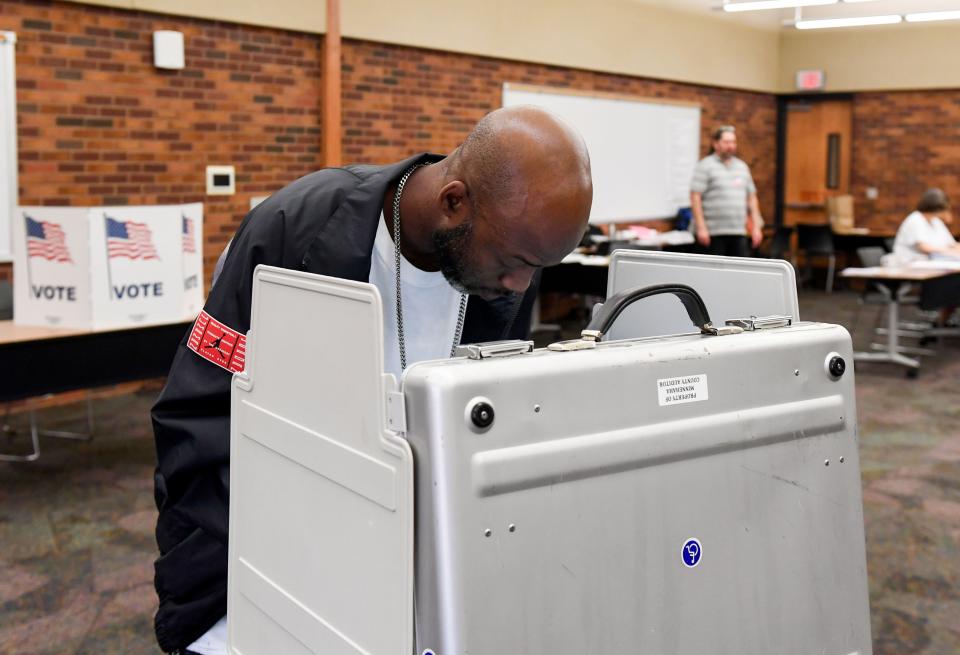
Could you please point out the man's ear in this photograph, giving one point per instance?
(454, 203)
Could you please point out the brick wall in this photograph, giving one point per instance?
(99, 125)
(903, 143)
(398, 100)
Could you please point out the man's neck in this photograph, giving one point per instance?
(416, 227)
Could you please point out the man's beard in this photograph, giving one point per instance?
(453, 250)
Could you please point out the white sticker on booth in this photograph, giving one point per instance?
(51, 267)
(137, 265)
(683, 389)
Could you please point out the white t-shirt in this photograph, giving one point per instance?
(430, 307)
(916, 229)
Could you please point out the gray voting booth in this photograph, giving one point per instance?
(683, 494)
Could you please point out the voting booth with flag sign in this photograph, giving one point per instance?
(52, 262)
(191, 235)
(138, 279)
(105, 267)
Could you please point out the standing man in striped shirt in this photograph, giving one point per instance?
(723, 199)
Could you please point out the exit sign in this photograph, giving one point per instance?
(811, 80)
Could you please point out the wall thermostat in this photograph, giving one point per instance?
(221, 181)
(168, 49)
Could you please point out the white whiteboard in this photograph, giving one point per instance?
(642, 153)
(8, 140)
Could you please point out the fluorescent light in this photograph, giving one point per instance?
(859, 21)
(933, 15)
(758, 5)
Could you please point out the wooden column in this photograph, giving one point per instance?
(330, 114)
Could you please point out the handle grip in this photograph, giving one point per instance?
(614, 306)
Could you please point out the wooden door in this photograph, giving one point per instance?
(817, 159)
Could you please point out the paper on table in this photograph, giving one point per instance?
(869, 270)
(676, 237)
(937, 264)
(586, 260)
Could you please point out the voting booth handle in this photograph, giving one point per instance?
(609, 311)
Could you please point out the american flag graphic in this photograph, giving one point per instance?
(129, 239)
(47, 240)
(189, 241)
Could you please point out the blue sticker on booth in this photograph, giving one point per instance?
(692, 553)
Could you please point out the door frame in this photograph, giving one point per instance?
(781, 174)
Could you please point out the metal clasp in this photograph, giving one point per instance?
(761, 322)
(494, 349)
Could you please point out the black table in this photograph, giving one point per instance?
(38, 361)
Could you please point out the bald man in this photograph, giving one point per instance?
(474, 228)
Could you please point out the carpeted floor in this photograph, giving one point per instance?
(76, 544)
(76, 536)
(910, 465)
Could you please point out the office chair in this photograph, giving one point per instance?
(873, 293)
(878, 294)
(780, 244)
(817, 241)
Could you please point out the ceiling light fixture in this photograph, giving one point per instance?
(760, 5)
(859, 21)
(929, 16)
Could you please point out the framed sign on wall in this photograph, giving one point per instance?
(8, 140)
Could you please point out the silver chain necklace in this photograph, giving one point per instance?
(458, 332)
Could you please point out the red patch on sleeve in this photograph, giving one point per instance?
(218, 343)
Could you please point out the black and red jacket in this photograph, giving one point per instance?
(325, 223)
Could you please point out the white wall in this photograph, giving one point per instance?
(617, 36)
(906, 56)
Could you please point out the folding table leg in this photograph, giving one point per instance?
(34, 438)
(36, 432)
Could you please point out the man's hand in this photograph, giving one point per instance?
(703, 236)
(755, 225)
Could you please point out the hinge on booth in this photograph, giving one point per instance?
(396, 412)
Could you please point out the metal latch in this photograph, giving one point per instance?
(710, 328)
(585, 343)
(494, 349)
(761, 322)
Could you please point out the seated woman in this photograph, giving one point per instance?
(924, 233)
